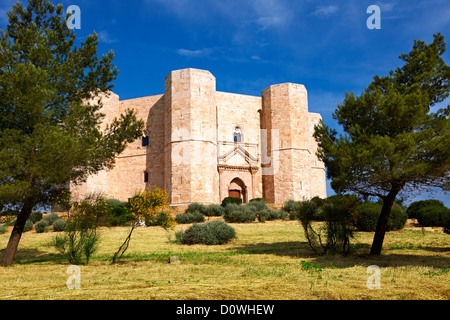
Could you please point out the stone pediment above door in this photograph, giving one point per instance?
(236, 155)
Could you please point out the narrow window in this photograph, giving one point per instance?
(145, 176)
(237, 136)
(145, 141)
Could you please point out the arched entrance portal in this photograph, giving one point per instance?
(237, 189)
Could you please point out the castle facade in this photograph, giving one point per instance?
(202, 145)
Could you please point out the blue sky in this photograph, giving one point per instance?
(251, 44)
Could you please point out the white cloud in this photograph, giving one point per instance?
(104, 37)
(324, 11)
(195, 53)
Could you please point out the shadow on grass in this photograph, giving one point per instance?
(359, 257)
(27, 256)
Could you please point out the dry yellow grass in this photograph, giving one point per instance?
(264, 262)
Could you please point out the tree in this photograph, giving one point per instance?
(392, 139)
(146, 204)
(51, 130)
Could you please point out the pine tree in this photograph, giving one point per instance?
(393, 138)
(50, 113)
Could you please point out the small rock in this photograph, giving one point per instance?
(174, 260)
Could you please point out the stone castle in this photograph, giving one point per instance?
(202, 145)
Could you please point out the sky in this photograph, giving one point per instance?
(249, 45)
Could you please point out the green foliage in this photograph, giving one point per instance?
(196, 207)
(259, 204)
(41, 226)
(367, 215)
(211, 233)
(161, 219)
(228, 200)
(36, 216)
(28, 225)
(392, 138)
(2, 229)
(214, 210)
(117, 215)
(433, 216)
(190, 217)
(414, 207)
(59, 225)
(334, 234)
(291, 207)
(244, 214)
(51, 218)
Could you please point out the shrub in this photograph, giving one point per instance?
(191, 217)
(76, 242)
(259, 204)
(36, 216)
(232, 207)
(59, 225)
(291, 208)
(244, 215)
(269, 215)
(211, 233)
(367, 214)
(162, 218)
(432, 216)
(214, 210)
(228, 200)
(446, 221)
(196, 207)
(115, 202)
(415, 207)
(41, 226)
(50, 218)
(117, 215)
(2, 229)
(28, 225)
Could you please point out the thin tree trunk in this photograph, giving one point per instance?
(382, 224)
(17, 231)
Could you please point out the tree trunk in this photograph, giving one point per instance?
(17, 231)
(382, 224)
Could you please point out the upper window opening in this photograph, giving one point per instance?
(237, 136)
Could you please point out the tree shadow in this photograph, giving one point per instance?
(358, 257)
(27, 256)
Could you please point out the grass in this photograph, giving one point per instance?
(269, 260)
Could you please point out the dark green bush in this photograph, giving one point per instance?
(191, 217)
(160, 219)
(228, 200)
(259, 204)
(446, 221)
(196, 207)
(269, 215)
(291, 208)
(115, 202)
(232, 207)
(117, 215)
(211, 233)
(244, 215)
(50, 218)
(28, 225)
(40, 226)
(415, 207)
(432, 216)
(214, 210)
(2, 229)
(59, 225)
(36, 216)
(367, 214)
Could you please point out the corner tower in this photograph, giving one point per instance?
(285, 117)
(191, 137)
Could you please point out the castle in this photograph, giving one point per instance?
(202, 145)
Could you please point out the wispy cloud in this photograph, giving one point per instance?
(325, 11)
(103, 36)
(195, 53)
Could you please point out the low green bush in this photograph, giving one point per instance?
(269, 215)
(196, 207)
(291, 207)
(245, 214)
(228, 200)
(211, 233)
(41, 226)
(191, 217)
(259, 204)
(59, 225)
(433, 216)
(36, 216)
(28, 225)
(117, 215)
(214, 210)
(50, 218)
(160, 219)
(2, 229)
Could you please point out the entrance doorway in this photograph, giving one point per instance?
(238, 189)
